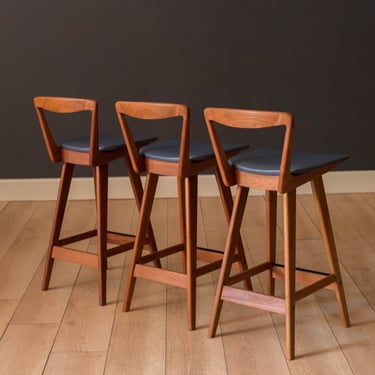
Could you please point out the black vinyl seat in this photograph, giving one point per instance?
(267, 161)
(106, 142)
(169, 150)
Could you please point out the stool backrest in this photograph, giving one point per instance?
(64, 106)
(249, 119)
(153, 111)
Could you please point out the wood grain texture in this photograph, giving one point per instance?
(62, 330)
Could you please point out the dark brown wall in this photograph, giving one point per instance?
(313, 58)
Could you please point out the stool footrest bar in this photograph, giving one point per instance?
(324, 282)
(160, 275)
(249, 273)
(253, 299)
(208, 268)
(303, 276)
(161, 253)
(75, 256)
(76, 238)
(119, 238)
(120, 249)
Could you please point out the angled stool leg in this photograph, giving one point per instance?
(289, 205)
(191, 199)
(101, 189)
(329, 243)
(136, 184)
(271, 218)
(143, 224)
(65, 181)
(230, 248)
(227, 202)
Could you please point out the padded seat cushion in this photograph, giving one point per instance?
(107, 142)
(169, 150)
(267, 161)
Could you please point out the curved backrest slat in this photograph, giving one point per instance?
(153, 111)
(64, 106)
(248, 119)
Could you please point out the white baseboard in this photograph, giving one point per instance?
(119, 187)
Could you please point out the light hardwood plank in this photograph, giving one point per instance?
(18, 265)
(247, 335)
(254, 328)
(121, 216)
(353, 251)
(41, 307)
(86, 326)
(254, 235)
(24, 349)
(369, 198)
(13, 217)
(304, 229)
(190, 352)
(79, 216)
(251, 343)
(359, 213)
(316, 345)
(137, 344)
(75, 335)
(358, 341)
(48, 306)
(213, 223)
(7, 309)
(76, 363)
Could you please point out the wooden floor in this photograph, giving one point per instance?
(64, 331)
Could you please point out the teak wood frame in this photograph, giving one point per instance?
(98, 161)
(186, 173)
(285, 183)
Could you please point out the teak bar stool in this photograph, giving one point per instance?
(275, 171)
(94, 151)
(183, 159)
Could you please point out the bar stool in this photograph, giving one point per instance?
(275, 171)
(183, 159)
(96, 152)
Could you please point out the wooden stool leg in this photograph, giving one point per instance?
(182, 218)
(101, 192)
(271, 212)
(62, 197)
(191, 212)
(136, 184)
(289, 205)
(230, 248)
(142, 227)
(329, 242)
(227, 202)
